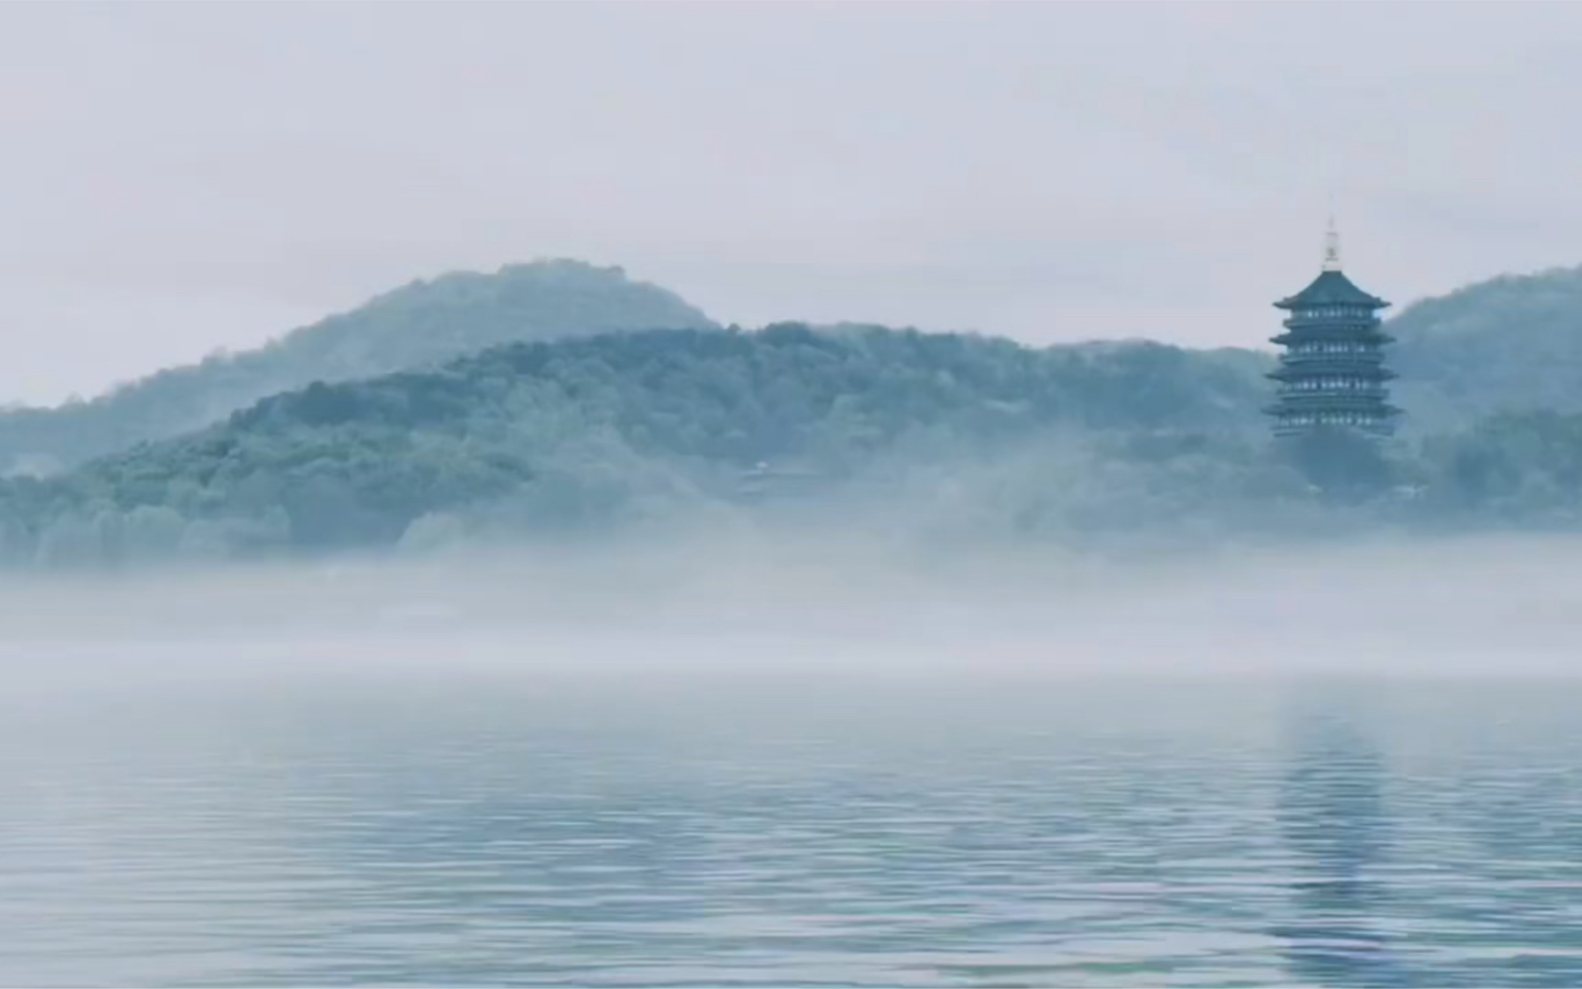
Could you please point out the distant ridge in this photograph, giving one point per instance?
(421, 324)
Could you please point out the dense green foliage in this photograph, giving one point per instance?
(560, 435)
(943, 435)
(418, 325)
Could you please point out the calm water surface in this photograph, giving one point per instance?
(483, 828)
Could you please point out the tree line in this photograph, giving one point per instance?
(953, 433)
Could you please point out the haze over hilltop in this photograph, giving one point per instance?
(416, 325)
(1048, 172)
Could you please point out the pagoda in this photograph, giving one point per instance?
(1332, 374)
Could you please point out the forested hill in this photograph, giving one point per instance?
(357, 432)
(978, 436)
(1512, 343)
(1509, 344)
(421, 324)
(579, 432)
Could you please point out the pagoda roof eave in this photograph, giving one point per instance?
(1379, 411)
(1296, 372)
(1371, 336)
(1331, 288)
(1334, 402)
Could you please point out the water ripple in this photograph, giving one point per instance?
(731, 834)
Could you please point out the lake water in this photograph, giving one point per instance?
(483, 827)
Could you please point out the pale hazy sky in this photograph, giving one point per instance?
(183, 177)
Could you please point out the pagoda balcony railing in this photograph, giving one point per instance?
(1333, 393)
(1339, 318)
(1318, 326)
(1374, 427)
(1370, 354)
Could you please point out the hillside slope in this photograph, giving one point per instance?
(421, 324)
(1510, 344)
(580, 432)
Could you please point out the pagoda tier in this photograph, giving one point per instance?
(1332, 373)
(1313, 374)
(1322, 338)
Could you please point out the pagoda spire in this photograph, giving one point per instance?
(1332, 246)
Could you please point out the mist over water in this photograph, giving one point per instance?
(804, 603)
(799, 761)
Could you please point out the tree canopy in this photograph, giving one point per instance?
(578, 431)
(586, 432)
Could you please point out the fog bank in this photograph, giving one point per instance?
(1485, 606)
